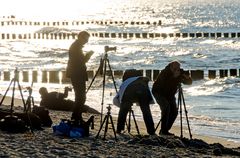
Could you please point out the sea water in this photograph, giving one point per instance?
(213, 105)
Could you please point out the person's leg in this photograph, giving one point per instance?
(80, 98)
(147, 116)
(144, 98)
(173, 113)
(122, 115)
(140, 93)
(165, 112)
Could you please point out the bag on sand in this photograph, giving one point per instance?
(13, 124)
(71, 129)
(18, 121)
(43, 114)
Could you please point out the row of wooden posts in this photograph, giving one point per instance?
(60, 76)
(68, 36)
(76, 23)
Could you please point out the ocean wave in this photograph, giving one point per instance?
(214, 87)
(48, 30)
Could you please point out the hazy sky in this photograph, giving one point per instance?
(48, 8)
(66, 9)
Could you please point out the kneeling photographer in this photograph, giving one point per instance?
(164, 89)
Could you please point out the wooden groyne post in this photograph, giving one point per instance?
(59, 76)
(127, 35)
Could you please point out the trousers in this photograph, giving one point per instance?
(136, 93)
(169, 111)
(79, 88)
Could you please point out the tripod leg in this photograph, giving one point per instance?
(32, 105)
(106, 126)
(112, 75)
(129, 122)
(186, 114)
(6, 92)
(12, 102)
(28, 103)
(20, 89)
(157, 125)
(104, 81)
(93, 79)
(180, 111)
(135, 122)
(113, 127)
(101, 126)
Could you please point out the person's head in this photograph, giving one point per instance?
(43, 91)
(83, 37)
(175, 68)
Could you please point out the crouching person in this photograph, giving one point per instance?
(134, 90)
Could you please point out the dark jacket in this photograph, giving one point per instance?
(52, 98)
(166, 85)
(76, 67)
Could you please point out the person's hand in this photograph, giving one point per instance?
(89, 53)
(186, 79)
(185, 76)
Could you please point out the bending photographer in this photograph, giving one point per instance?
(134, 90)
(77, 71)
(164, 90)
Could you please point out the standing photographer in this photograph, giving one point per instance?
(77, 71)
(164, 90)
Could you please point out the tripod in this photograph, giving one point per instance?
(181, 101)
(30, 100)
(131, 113)
(104, 62)
(106, 118)
(14, 81)
(103, 65)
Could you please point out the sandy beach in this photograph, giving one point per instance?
(43, 143)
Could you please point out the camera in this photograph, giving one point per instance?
(184, 72)
(107, 48)
(68, 89)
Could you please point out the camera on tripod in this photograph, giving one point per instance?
(69, 89)
(107, 49)
(184, 72)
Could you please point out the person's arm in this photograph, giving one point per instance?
(88, 56)
(142, 78)
(65, 94)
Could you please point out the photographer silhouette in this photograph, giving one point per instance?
(77, 72)
(164, 89)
